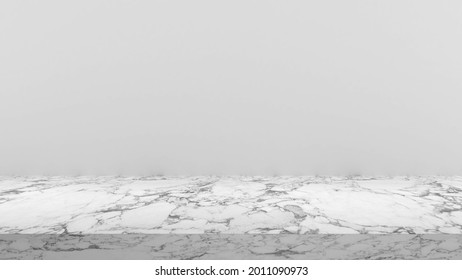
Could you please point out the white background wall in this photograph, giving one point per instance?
(292, 87)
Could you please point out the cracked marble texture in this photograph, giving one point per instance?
(231, 246)
(230, 205)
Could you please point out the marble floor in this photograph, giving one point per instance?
(231, 217)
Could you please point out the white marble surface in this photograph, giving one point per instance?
(231, 205)
(231, 246)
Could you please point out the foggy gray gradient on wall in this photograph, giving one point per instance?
(242, 86)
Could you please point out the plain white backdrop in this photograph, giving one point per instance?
(256, 87)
